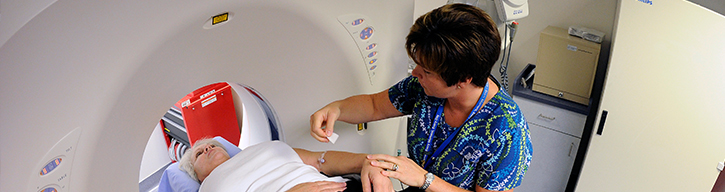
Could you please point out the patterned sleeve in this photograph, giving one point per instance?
(405, 94)
(513, 152)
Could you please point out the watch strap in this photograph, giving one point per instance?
(428, 179)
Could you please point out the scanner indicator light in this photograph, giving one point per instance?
(357, 22)
(50, 166)
(371, 46)
(366, 33)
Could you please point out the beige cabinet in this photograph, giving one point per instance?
(565, 65)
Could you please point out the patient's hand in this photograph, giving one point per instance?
(319, 186)
(373, 180)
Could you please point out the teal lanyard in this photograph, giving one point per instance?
(427, 160)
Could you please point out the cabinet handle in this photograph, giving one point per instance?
(602, 119)
(571, 149)
(546, 118)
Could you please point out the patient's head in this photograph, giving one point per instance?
(202, 158)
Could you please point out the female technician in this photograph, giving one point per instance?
(466, 133)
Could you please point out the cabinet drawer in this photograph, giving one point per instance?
(554, 118)
(551, 164)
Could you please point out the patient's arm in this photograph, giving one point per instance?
(340, 163)
(336, 162)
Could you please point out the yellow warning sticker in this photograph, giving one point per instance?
(221, 18)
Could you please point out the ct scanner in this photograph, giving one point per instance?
(89, 80)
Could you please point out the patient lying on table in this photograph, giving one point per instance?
(270, 166)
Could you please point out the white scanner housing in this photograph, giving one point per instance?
(512, 9)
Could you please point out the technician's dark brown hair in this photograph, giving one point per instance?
(457, 41)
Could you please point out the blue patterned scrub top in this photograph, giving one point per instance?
(492, 150)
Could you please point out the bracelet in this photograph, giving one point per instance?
(321, 160)
(428, 179)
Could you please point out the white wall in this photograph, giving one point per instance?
(423, 6)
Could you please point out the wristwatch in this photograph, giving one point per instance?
(428, 179)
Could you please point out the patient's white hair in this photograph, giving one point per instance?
(186, 163)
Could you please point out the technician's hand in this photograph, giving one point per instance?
(324, 118)
(319, 186)
(407, 172)
(373, 180)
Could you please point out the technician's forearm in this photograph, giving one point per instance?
(366, 108)
(356, 109)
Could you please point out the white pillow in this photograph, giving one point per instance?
(176, 180)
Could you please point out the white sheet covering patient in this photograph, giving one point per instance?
(271, 166)
(268, 166)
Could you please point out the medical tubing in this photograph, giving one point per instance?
(178, 151)
(183, 150)
(503, 68)
(171, 150)
(514, 26)
(505, 74)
